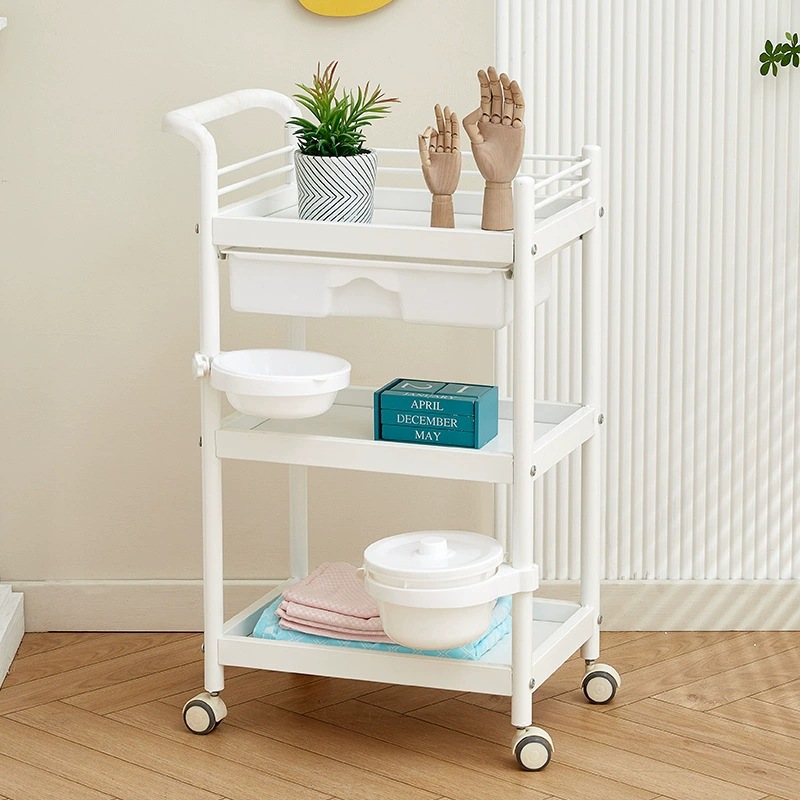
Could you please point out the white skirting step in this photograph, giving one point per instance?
(12, 627)
(626, 605)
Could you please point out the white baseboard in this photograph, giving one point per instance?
(127, 605)
(692, 605)
(12, 626)
(626, 605)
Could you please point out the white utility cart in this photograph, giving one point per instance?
(399, 267)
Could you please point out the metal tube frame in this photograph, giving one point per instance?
(520, 344)
(190, 123)
(524, 344)
(298, 484)
(592, 390)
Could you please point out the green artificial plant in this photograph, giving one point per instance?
(338, 122)
(780, 55)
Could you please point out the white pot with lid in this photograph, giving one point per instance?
(427, 585)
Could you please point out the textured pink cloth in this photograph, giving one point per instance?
(333, 602)
(332, 633)
(319, 617)
(333, 587)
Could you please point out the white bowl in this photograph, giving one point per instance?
(435, 629)
(280, 384)
(432, 560)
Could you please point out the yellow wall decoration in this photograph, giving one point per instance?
(343, 8)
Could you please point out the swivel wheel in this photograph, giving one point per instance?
(600, 683)
(533, 748)
(203, 713)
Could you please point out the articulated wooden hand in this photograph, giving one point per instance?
(441, 165)
(497, 134)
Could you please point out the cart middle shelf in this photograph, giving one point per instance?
(343, 438)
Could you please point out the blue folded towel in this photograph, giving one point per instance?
(267, 627)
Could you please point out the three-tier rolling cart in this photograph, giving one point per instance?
(399, 267)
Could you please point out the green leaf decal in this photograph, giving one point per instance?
(782, 54)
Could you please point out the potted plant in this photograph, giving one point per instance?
(335, 172)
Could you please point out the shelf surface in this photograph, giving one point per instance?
(559, 629)
(400, 228)
(343, 438)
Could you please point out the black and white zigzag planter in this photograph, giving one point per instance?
(336, 189)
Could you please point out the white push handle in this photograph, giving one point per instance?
(189, 122)
(228, 104)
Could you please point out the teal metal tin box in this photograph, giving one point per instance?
(435, 412)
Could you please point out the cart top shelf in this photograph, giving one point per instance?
(400, 228)
(264, 213)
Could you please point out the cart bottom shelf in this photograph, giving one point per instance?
(559, 629)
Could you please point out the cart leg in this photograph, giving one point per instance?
(532, 747)
(298, 484)
(206, 710)
(521, 649)
(522, 489)
(503, 358)
(590, 549)
(298, 521)
(600, 682)
(591, 472)
(213, 607)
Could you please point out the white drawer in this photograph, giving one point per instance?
(438, 293)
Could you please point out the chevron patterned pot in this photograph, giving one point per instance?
(336, 188)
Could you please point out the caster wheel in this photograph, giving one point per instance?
(203, 713)
(600, 683)
(533, 749)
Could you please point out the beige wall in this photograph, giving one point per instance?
(100, 469)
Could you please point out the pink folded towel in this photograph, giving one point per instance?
(333, 633)
(332, 602)
(333, 587)
(319, 617)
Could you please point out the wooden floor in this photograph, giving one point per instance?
(699, 715)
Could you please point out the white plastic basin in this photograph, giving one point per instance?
(280, 384)
(432, 560)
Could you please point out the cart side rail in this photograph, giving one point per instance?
(190, 123)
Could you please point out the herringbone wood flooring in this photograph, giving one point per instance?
(700, 715)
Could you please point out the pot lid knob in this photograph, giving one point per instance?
(433, 547)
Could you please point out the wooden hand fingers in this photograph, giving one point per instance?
(440, 128)
(496, 90)
(508, 100)
(486, 97)
(455, 136)
(445, 138)
(501, 102)
(471, 126)
(518, 116)
(451, 131)
(427, 145)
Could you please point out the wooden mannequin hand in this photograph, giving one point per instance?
(497, 134)
(441, 165)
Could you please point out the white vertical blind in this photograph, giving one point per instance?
(701, 285)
